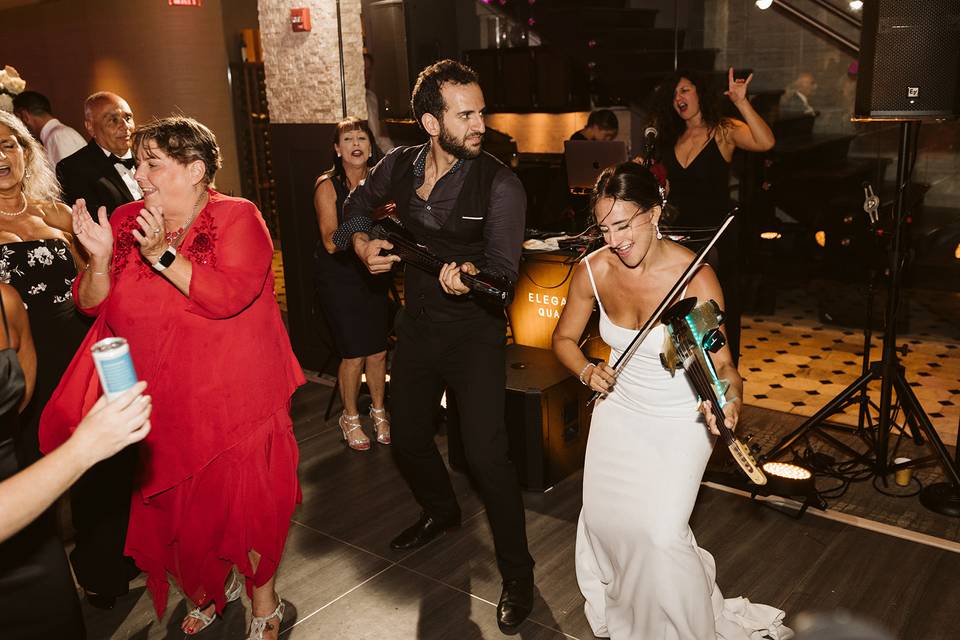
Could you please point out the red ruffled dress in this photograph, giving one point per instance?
(218, 474)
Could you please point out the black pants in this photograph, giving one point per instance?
(100, 505)
(467, 356)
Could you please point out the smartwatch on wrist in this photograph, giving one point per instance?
(165, 260)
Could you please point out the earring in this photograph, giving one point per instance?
(659, 235)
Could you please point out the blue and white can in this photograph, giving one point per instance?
(111, 356)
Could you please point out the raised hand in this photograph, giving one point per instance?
(737, 89)
(151, 236)
(95, 236)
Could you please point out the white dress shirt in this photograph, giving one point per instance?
(126, 174)
(60, 141)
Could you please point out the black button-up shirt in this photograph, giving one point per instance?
(502, 229)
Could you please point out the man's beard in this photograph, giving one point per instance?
(457, 148)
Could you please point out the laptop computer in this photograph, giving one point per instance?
(586, 160)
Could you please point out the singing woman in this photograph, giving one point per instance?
(638, 564)
(696, 145)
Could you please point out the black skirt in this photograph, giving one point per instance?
(354, 302)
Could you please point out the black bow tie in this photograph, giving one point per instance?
(129, 163)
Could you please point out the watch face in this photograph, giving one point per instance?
(167, 258)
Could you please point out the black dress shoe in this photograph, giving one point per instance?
(516, 603)
(426, 529)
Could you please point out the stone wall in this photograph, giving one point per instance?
(779, 50)
(303, 69)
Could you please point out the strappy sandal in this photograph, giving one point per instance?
(351, 425)
(232, 592)
(258, 625)
(382, 424)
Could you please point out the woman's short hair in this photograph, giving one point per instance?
(39, 180)
(426, 96)
(630, 182)
(183, 139)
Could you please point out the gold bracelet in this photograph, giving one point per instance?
(96, 273)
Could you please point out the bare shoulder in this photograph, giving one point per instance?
(705, 285)
(323, 188)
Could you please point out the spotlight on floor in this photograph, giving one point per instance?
(764, 4)
(789, 480)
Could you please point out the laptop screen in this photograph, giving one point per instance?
(586, 160)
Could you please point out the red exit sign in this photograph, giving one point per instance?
(185, 3)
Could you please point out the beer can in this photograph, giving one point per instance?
(111, 356)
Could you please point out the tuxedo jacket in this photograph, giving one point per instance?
(90, 175)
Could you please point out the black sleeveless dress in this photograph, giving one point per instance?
(42, 272)
(37, 596)
(353, 300)
(701, 195)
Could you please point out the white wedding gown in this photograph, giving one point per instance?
(638, 564)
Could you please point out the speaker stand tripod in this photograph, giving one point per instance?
(944, 497)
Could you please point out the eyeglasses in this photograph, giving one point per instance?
(625, 225)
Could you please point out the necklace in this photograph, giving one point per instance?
(13, 214)
(173, 237)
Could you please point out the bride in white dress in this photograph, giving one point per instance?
(638, 565)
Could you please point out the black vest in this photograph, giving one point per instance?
(458, 240)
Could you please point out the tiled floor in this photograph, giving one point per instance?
(341, 580)
(794, 363)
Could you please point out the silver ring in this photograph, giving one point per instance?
(156, 230)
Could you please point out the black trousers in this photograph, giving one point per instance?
(468, 357)
(100, 506)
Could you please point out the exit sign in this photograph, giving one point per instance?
(185, 3)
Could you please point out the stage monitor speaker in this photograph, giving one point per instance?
(547, 417)
(909, 59)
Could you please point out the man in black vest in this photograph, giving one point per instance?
(102, 173)
(469, 210)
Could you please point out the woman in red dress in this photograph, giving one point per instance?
(185, 276)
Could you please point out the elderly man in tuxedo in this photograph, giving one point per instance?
(102, 173)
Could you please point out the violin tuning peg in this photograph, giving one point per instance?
(713, 340)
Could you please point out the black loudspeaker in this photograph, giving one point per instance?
(547, 417)
(909, 59)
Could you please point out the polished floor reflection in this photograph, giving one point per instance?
(341, 580)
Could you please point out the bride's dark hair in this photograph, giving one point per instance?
(631, 182)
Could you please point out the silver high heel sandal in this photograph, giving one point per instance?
(353, 434)
(232, 591)
(381, 424)
(258, 625)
